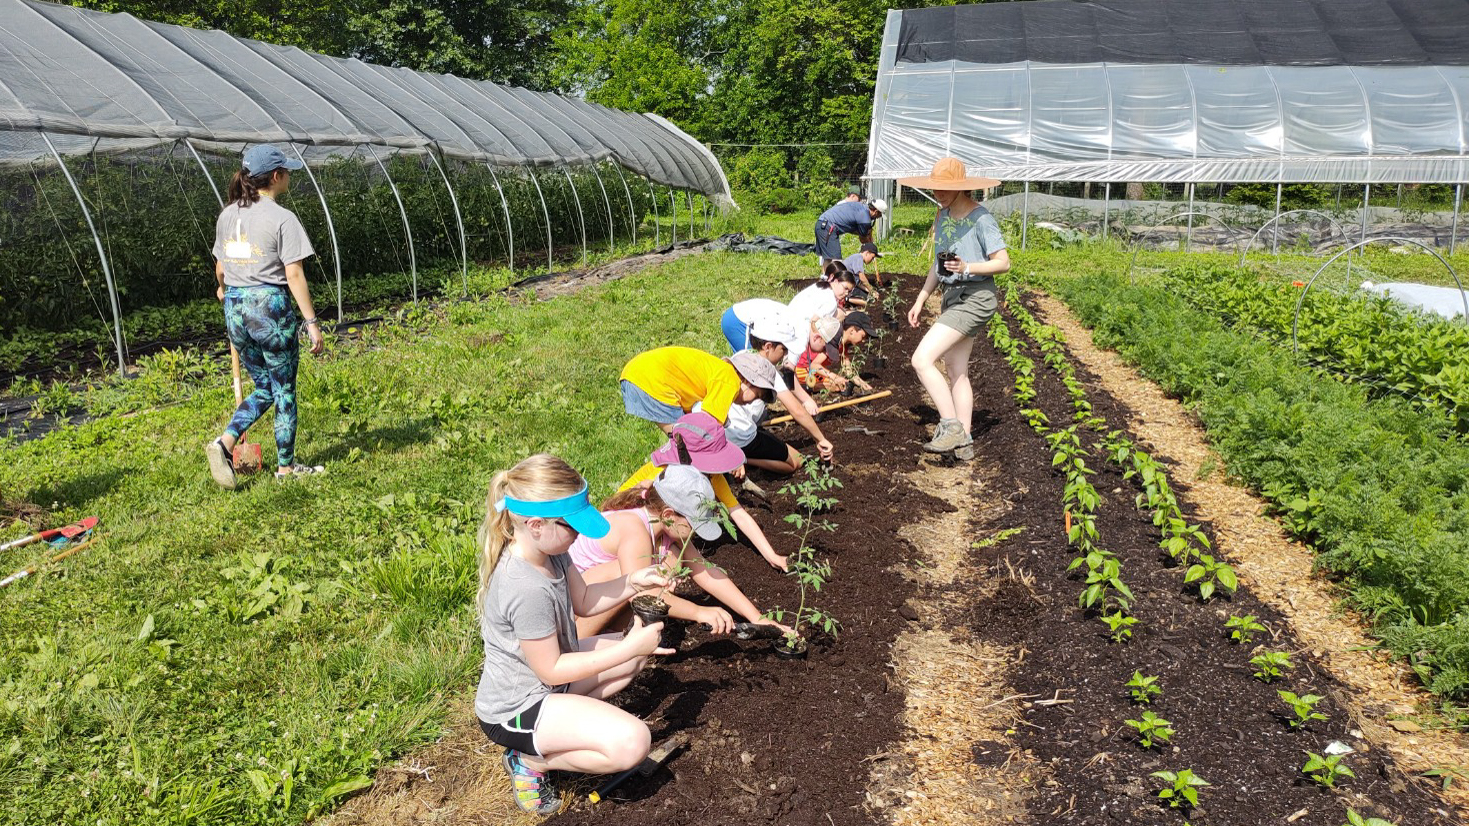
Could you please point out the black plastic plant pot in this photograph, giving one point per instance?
(756, 631)
(788, 648)
(848, 390)
(892, 324)
(650, 609)
(879, 362)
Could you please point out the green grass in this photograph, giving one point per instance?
(240, 658)
(308, 630)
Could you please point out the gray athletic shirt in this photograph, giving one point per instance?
(522, 604)
(257, 242)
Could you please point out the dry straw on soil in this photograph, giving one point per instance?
(956, 767)
(1384, 697)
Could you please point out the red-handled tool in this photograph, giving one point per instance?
(67, 533)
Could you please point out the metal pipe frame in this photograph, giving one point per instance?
(1454, 231)
(632, 212)
(202, 168)
(673, 199)
(402, 213)
(1107, 212)
(1275, 222)
(1188, 240)
(580, 218)
(101, 256)
(611, 232)
(1295, 346)
(546, 213)
(504, 207)
(689, 202)
(657, 221)
(1025, 216)
(331, 228)
(458, 219)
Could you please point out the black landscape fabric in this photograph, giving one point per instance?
(1215, 32)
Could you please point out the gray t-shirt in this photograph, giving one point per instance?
(856, 264)
(521, 604)
(975, 237)
(257, 242)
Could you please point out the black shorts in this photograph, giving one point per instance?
(518, 733)
(766, 446)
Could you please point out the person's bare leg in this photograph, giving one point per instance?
(935, 344)
(583, 734)
(790, 465)
(956, 365)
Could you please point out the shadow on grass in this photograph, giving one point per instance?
(78, 491)
(379, 439)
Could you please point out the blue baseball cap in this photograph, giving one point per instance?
(265, 158)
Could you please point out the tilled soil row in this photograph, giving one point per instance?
(1231, 728)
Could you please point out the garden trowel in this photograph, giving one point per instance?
(650, 764)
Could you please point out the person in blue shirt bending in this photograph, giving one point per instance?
(847, 216)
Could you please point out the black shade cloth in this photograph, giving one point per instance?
(1222, 32)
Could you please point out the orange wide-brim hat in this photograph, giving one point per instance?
(949, 173)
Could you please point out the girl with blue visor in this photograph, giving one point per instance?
(542, 694)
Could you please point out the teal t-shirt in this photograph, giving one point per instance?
(974, 237)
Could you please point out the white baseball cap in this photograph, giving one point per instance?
(879, 204)
(772, 328)
(827, 327)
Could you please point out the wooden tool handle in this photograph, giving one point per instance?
(834, 406)
(235, 368)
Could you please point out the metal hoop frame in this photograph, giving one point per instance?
(1335, 223)
(1138, 248)
(1300, 302)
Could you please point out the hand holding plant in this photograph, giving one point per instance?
(646, 579)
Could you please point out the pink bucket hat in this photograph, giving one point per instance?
(698, 439)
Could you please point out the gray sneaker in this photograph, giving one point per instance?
(947, 436)
(221, 464)
(965, 452)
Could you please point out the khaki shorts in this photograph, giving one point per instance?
(968, 305)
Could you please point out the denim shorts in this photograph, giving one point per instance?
(636, 401)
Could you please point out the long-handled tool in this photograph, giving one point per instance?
(835, 405)
(650, 764)
(247, 454)
(25, 572)
(67, 533)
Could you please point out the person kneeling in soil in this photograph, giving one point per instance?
(698, 440)
(827, 297)
(663, 384)
(824, 363)
(657, 523)
(542, 691)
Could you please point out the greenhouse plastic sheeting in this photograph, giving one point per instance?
(94, 81)
(1140, 90)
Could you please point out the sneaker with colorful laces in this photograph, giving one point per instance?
(532, 789)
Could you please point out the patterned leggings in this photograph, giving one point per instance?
(262, 325)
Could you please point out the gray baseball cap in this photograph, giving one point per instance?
(756, 370)
(265, 158)
(687, 491)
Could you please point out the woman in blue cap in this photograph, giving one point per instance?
(258, 249)
(542, 694)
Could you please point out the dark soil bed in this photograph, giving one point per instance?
(777, 741)
(786, 742)
(1231, 728)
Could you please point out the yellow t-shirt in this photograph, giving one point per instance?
(684, 377)
(721, 487)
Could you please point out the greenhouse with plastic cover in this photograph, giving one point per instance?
(112, 128)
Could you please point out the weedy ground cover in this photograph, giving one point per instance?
(1375, 485)
(251, 657)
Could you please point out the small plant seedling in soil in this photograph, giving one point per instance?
(809, 573)
(1326, 770)
(1182, 789)
(1210, 574)
(1120, 625)
(1354, 819)
(1143, 689)
(1303, 705)
(1243, 629)
(1270, 665)
(1151, 728)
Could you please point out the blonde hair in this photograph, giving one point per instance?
(538, 478)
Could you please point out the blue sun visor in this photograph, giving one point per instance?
(576, 509)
